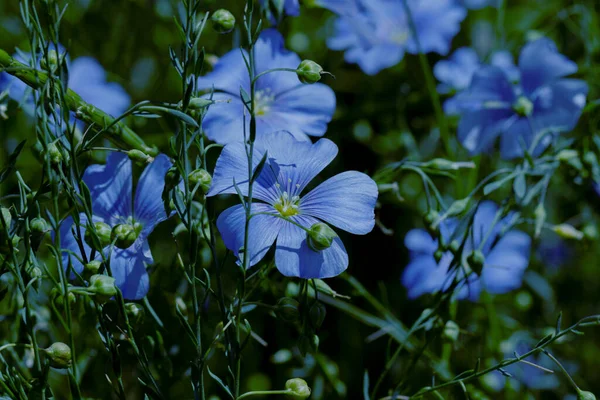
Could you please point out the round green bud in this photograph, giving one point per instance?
(139, 157)
(92, 268)
(197, 103)
(476, 260)
(38, 226)
(320, 236)
(309, 72)
(50, 63)
(54, 153)
(590, 232)
(103, 287)
(59, 299)
(585, 395)
(450, 332)
(124, 235)
(298, 388)
(454, 246)
(135, 313)
(430, 217)
(288, 309)
(317, 314)
(59, 355)
(103, 232)
(202, 178)
(223, 21)
(35, 272)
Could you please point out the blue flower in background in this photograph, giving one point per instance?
(345, 201)
(375, 34)
(86, 77)
(506, 258)
(282, 102)
(276, 9)
(111, 191)
(456, 72)
(543, 104)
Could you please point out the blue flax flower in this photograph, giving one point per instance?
(86, 77)
(456, 72)
(524, 115)
(111, 191)
(281, 101)
(345, 201)
(375, 34)
(506, 258)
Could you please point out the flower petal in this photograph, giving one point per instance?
(541, 63)
(424, 275)
(110, 188)
(269, 53)
(70, 245)
(229, 75)
(129, 270)
(436, 22)
(505, 264)
(420, 241)
(262, 233)
(346, 201)
(149, 208)
(88, 79)
(224, 121)
(293, 257)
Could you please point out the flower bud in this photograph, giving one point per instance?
(135, 313)
(585, 395)
(320, 236)
(139, 157)
(103, 287)
(51, 62)
(458, 207)
(59, 300)
(124, 235)
(92, 268)
(309, 72)
(451, 331)
(223, 21)
(54, 153)
(298, 388)
(197, 103)
(59, 355)
(288, 309)
(454, 246)
(317, 314)
(567, 231)
(476, 261)
(38, 226)
(202, 178)
(566, 155)
(540, 218)
(103, 232)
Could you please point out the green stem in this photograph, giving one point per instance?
(119, 134)
(430, 82)
(265, 393)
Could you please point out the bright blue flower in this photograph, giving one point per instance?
(86, 77)
(111, 192)
(543, 104)
(345, 201)
(282, 102)
(456, 72)
(506, 258)
(375, 34)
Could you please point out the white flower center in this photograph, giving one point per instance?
(286, 205)
(262, 101)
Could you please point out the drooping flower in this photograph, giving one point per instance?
(281, 101)
(86, 77)
(530, 113)
(375, 34)
(456, 72)
(345, 201)
(506, 258)
(112, 203)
